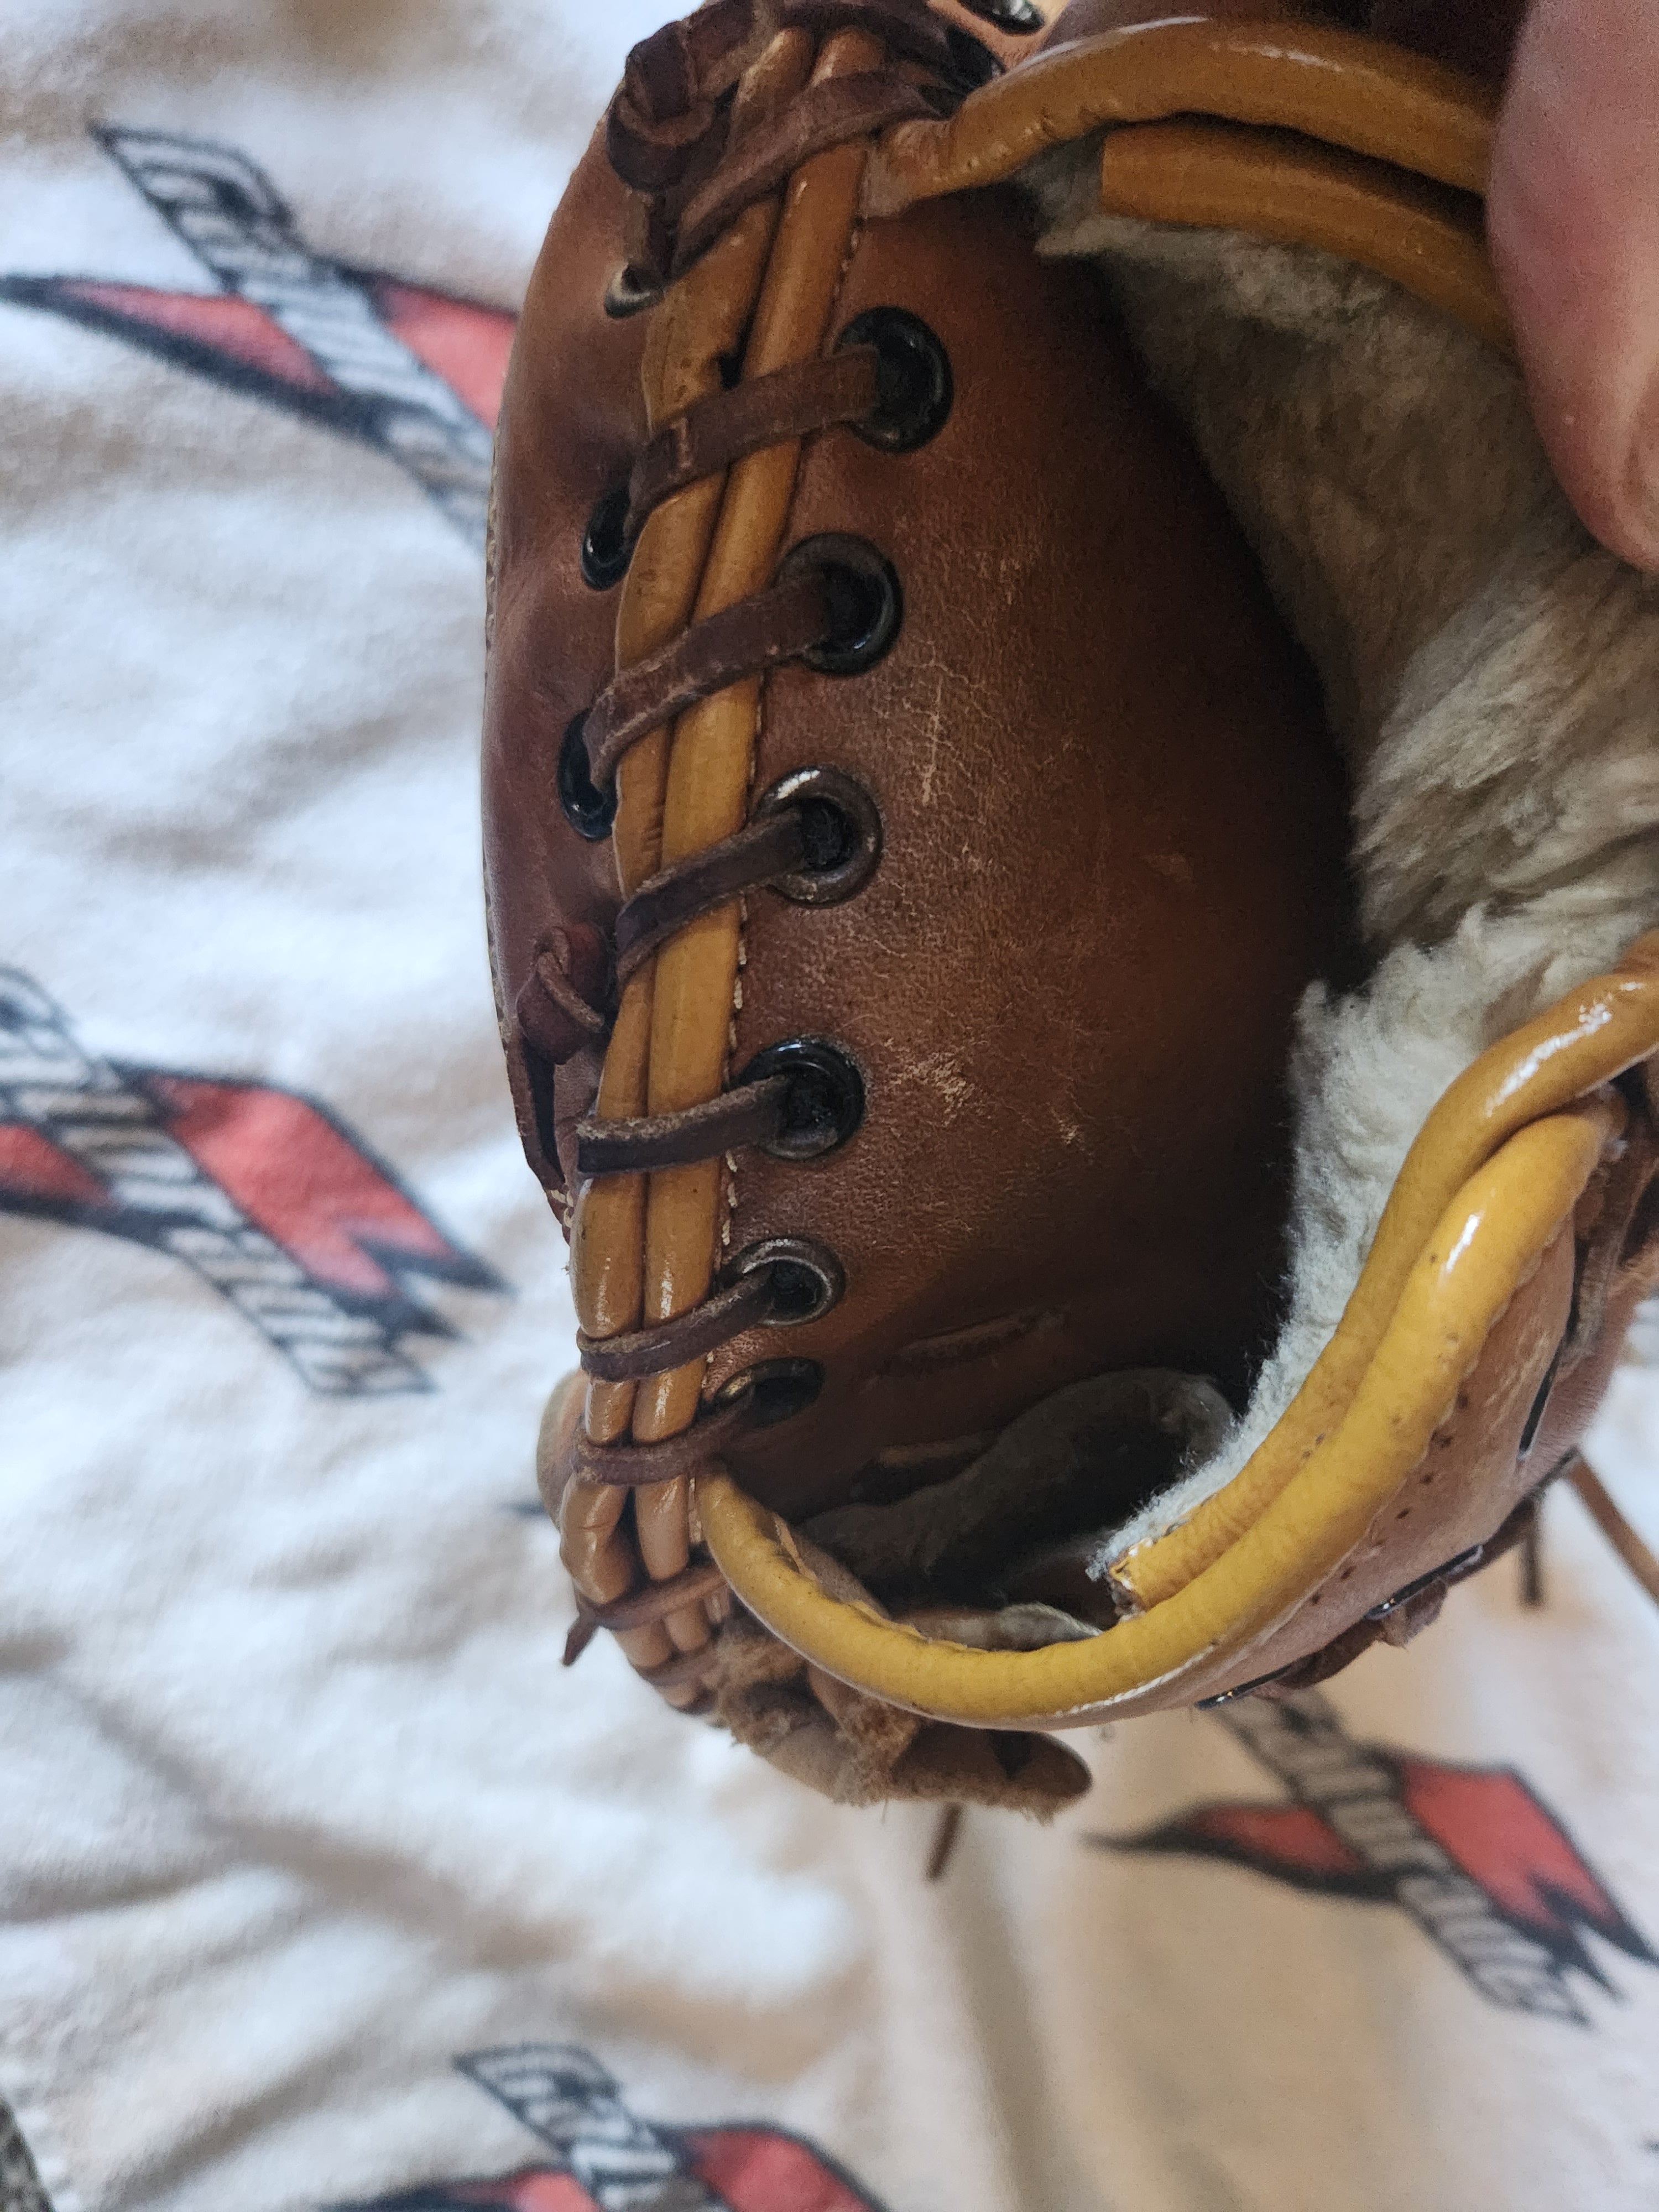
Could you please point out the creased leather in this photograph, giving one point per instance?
(1112, 842)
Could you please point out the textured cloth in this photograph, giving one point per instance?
(320, 1881)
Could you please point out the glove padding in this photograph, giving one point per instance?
(912, 829)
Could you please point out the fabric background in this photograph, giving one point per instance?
(300, 1809)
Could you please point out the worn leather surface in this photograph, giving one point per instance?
(1110, 862)
(1112, 859)
(572, 419)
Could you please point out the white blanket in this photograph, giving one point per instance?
(322, 1883)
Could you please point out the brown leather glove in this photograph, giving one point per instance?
(919, 766)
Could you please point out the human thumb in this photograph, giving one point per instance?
(1573, 219)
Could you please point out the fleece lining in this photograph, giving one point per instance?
(1491, 673)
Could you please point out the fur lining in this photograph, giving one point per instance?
(1492, 674)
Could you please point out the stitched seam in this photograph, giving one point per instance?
(728, 1216)
(730, 1180)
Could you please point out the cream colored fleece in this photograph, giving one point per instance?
(1491, 673)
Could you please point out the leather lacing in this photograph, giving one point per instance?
(833, 604)
(669, 137)
(670, 133)
(805, 611)
(804, 614)
(783, 623)
(844, 387)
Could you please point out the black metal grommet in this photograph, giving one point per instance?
(866, 605)
(840, 827)
(605, 545)
(824, 1104)
(629, 294)
(1016, 18)
(806, 1277)
(972, 62)
(912, 379)
(589, 810)
(780, 1388)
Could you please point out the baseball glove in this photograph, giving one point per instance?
(1069, 819)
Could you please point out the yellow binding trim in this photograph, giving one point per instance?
(1584, 1039)
(1487, 1242)
(1223, 177)
(1492, 1179)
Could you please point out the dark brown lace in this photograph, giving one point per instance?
(669, 137)
(823, 116)
(750, 1115)
(759, 854)
(636, 1466)
(669, 132)
(791, 403)
(745, 1303)
(781, 624)
(642, 1608)
(790, 619)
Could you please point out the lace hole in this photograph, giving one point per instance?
(828, 835)
(912, 379)
(972, 62)
(780, 1388)
(629, 293)
(807, 1279)
(605, 546)
(1016, 18)
(840, 828)
(866, 606)
(824, 1105)
(589, 810)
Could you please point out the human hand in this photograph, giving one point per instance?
(1573, 219)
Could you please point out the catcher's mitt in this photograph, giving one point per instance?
(919, 771)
